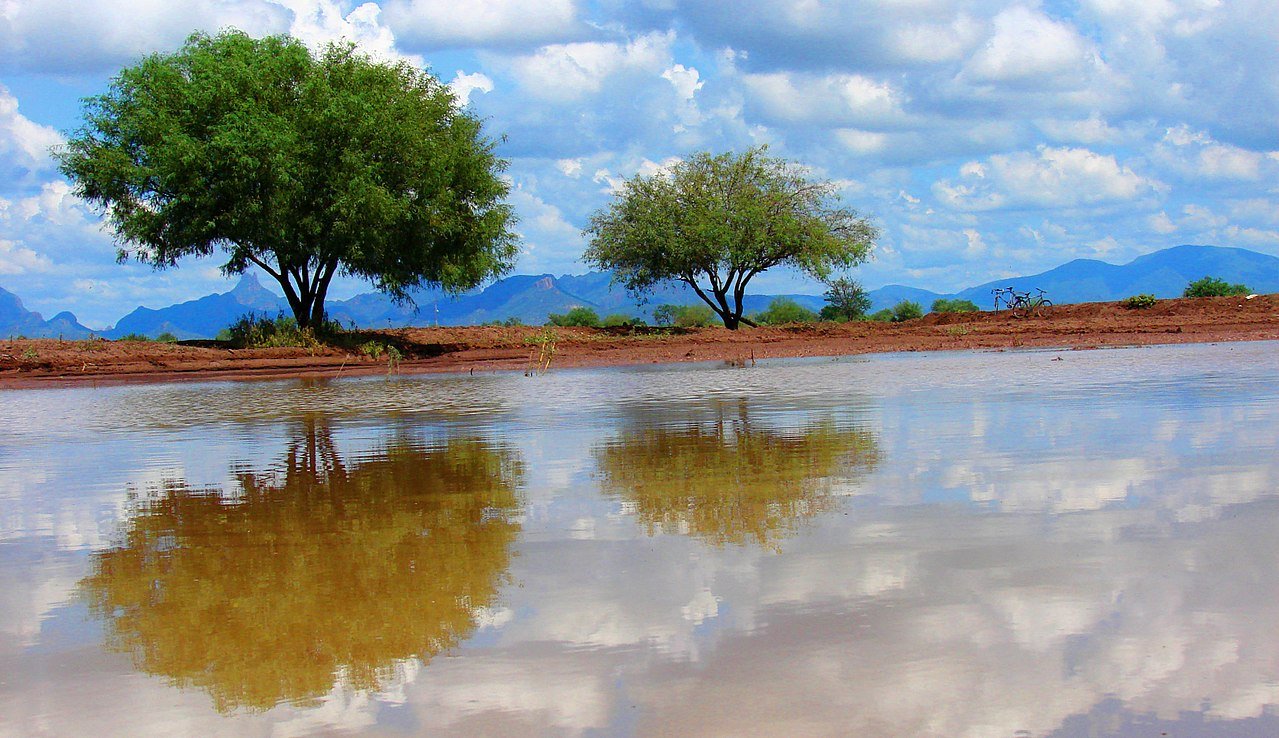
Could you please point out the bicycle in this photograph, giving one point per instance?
(1020, 303)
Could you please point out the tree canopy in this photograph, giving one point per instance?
(714, 222)
(306, 165)
(846, 300)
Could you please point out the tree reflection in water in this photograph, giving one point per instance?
(327, 571)
(732, 481)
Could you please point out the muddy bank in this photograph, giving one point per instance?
(49, 362)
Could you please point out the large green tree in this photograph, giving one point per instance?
(714, 222)
(306, 165)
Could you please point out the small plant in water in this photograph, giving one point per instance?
(544, 350)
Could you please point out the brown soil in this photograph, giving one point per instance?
(45, 362)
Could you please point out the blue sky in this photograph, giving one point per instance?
(985, 137)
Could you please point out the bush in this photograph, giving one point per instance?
(882, 316)
(1139, 302)
(259, 331)
(785, 310)
(166, 337)
(133, 337)
(510, 322)
(621, 320)
(907, 310)
(1214, 287)
(684, 316)
(845, 300)
(954, 306)
(579, 316)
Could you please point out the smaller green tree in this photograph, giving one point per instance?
(785, 310)
(713, 222)
(943, 305)
(1214, 287)
(579, 316)
(846, 300)
(907, 310)
(881, 316)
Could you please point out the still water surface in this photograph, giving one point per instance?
(987, 544)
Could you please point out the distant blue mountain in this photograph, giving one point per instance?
(1162, 274)
(530, 298)
(201, 318)
(16, 320)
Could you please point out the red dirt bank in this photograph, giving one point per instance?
(47, 362)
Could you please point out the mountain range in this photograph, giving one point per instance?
(530, 298)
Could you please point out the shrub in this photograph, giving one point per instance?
(845, 300)
(907, 310)
(579, 316)
(954, 306)
(1139, 302)
(684, 316)
(166, 337)
(785, 310)
(620, 320)
(258, 331)
(1214, 287)
(133, 337)
(882, 316)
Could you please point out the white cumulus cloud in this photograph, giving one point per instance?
(836, 99)
(464, 84)
(1048, 177)
(1027, 45)
(450, 23)
(565, 72)
(24, 144)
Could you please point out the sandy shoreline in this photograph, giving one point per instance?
(49, 362)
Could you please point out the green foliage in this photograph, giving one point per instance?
(846, 300)
(510, 322)
(1139, 302)
(684, 316)
(258, 331)
(619, 320)
(664, 315)
(166, 337)
(133, 337)
(907, 310)
(580, 316)
(303, 164)
(882, 316)
(1214, 287)
(954, 306)
(785, 310)
(714, 222)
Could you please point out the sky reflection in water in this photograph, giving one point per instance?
(960, 544)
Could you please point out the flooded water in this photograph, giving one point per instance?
(985, 544)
